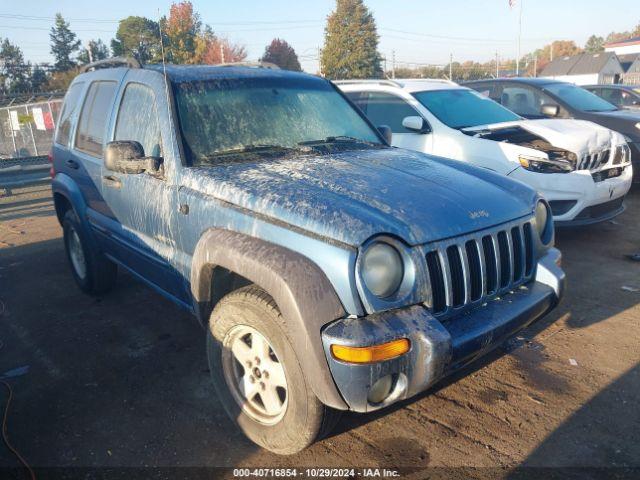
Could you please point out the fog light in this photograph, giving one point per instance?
(380, 390)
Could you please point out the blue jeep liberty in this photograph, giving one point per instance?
(331, 272)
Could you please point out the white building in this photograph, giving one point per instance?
(585, 69)
(624, 47)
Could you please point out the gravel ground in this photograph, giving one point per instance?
(122, 380)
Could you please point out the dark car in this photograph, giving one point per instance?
(547, 98)
(622, 96)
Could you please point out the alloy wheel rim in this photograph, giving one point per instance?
(254, 374)
(77, 255)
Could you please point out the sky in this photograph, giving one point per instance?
(414, 31)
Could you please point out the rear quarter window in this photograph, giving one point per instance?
(94, 117)
(70, 106)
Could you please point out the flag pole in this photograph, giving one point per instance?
(519, 37)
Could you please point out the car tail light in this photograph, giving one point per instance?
(52, 171)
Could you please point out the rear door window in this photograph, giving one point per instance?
(386, 109)
(138, 119)
(95, 117)
(71, 101)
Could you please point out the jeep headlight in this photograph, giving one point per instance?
(381, 269)
(638, 125)
(544, 165)
(544, 222)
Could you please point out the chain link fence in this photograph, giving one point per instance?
(26, 130)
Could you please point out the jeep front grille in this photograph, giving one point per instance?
(472, 269)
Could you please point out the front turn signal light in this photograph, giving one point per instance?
(374, 353)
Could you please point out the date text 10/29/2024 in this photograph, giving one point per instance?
(316, 472)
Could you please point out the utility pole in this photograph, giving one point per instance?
(551, 49)
(535, 65)
(320, 61)
(451, 66)
(221, 53)
(88, 48)
(393, 64)
(497, 65)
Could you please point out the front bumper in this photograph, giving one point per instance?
(588, 199)
(437, 348)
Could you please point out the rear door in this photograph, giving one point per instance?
(88, 143)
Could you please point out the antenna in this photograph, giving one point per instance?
(166, 85)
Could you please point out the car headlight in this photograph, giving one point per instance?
(382, 269)
(544, 165)
(543, 222)
(638, 125)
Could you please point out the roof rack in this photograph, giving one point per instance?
(392, 83)
(114, 62)
(270, 65)
(435, 80)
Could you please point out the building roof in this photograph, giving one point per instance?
(622, 43)
(582, 64)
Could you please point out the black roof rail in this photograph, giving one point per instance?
(113, 62)
(259, 64)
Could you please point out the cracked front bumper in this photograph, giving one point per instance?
(438, 348)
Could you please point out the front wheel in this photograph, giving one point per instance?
(258, 377)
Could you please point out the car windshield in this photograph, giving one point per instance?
(579, 98)
(261, 115)
(462, 108)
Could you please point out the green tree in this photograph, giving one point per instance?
(282, 54)
(138, 37)
(96, 50)
(351, 42)
(594, 44)
(38, 78)
(14, 72)
(63, 44)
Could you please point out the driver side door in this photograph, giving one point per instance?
(384, 108)
(142, 233)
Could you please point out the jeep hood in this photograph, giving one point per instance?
(577, 136)
(353, 195)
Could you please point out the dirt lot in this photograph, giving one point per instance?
(122, 380)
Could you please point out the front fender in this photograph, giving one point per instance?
(299, 287)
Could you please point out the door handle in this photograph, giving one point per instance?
(111, 181)
(72, 164)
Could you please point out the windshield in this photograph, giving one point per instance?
(579, 98)
(235, 116)
(463, 108)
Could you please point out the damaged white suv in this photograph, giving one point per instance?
(582, 169)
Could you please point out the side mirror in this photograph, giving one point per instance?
(127, 156)
(386, 133)
(415, 124)
(549, 110)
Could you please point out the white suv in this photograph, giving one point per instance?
(584, 170)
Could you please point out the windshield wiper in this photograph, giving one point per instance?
(250, 149)
(336, 139)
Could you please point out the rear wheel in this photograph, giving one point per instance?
(258, 377)
(91, 270)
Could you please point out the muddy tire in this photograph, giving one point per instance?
(258, 377)
(91, 270)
